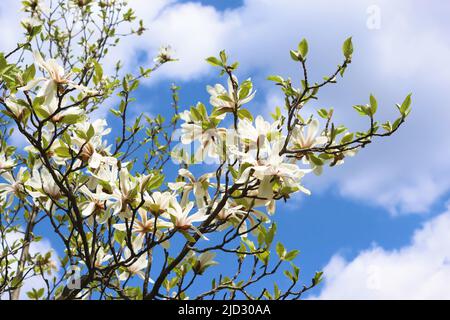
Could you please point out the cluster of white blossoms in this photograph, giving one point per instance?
(252, 151)
(255, 149)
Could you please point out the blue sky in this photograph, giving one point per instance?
(385, 211)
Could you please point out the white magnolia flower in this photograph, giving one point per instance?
(70, 115)
(165, 54)
(95, 152)
(100, 127)
(101, 257)
(211, 143)
(210, 140)
(14, 186)
(260, 132)
(198, 185)
(6, 163)
(204, 261)
(190, 130)
(230, 211)
(274, 165)
(135, 268)
(30, 23)
(56, 76)
(43, 184)
(158, 203)
(125, 194)
(36, 6)
(183, 221)
(17, 109)
(224, 99)
(142, 224)
(310, 139)
(96, 202)
(232, 215)
(107, 174)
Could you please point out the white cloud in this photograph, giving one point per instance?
(420, 270)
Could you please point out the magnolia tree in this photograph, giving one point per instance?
(120, 228)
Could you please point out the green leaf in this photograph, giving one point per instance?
(373, 104)
(281, 251)
(405, 108)
(223, 57)
(62, 152)
(323, 113)
(291, 255)
(196, 115)
(347, 48)
(214, 61)
(303, 48)
(245, 114)
(119, 236)
(270, 235)
(98, 72)
(245, 89)
(347, 138)
(90, 133)
(29, 73)
(362, 110)
(294, 55)
(276, 79)
(317, 278)
(277, 115)
(315, 160)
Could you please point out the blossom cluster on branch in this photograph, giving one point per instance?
(127, 232)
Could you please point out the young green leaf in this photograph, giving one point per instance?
(347, 48)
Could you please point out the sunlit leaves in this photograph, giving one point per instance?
(347, 48)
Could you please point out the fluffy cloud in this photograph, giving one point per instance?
(420, 270)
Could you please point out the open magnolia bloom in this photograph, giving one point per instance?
(165, 54)
(136, 268)
(198, 185)
(124, 194)
(211, 144)
(94, 152)
(107, 174)
(211, 140)
(191, 130)
(56, 77)
(30, 23)
(232, 215)
(183, 221)
(229, 101)
(269, 168)
(96, 202)
(6, 163)
(204, 261)
(18, 110)
(60, 113)
(14, 186)
(158, 202)
(300, 140)
(43, 187)
(259, 134)
(142, 225)
(101, 257)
